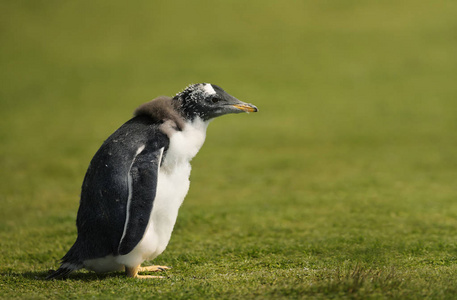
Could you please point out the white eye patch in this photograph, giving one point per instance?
(208, 88)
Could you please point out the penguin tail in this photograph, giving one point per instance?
(63, 272)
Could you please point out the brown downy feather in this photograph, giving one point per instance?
(163, 109)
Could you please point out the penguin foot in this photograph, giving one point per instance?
(147, 276)
(153, 268)
(133, 271)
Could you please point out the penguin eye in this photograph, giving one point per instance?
(215, 100)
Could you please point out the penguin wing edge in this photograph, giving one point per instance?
(142, 179)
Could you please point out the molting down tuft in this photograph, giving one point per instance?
(162, 109)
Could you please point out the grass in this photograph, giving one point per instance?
(343, 186)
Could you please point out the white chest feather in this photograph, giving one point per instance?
(184, 145)
(172, 186)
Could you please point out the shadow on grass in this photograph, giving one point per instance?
(77, 276)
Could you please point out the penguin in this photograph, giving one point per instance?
(138, 179)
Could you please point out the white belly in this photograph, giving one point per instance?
(171, 189)
(172, 186)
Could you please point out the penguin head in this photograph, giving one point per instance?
(208, 101)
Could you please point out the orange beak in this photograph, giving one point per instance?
(246, 107)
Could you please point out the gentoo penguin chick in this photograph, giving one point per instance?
(138, 179)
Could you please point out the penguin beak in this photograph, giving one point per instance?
(246, 107)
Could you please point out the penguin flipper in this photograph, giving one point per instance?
(142, 192)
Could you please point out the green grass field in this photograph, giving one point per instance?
(343, 186)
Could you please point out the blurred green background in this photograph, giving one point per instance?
(354, 147)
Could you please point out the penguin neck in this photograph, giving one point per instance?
(185, 144)
(194, 133)
(198, 124)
